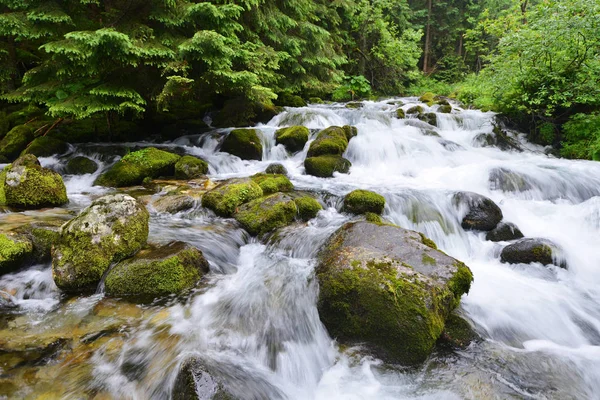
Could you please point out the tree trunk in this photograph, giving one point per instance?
(524, 10)
(13, 67)
(427, 37)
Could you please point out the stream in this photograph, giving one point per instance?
(254, 319)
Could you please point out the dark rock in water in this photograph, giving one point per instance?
(229, 195)
(504, 232)
(498, 138)
(364, 201)
(157, 272)
(400, 114)
(482, 213)
(29, 186)
(325, 166)
(15, 251)
(431, 132)
(244, 143)
(42, 236)
(388, 287)
(458, 334)
(193, 382)
(190, 167)
(354, 105)
(287, 99)
(266, 214)
(277, 169)
(430, 118)
(508, 181)
(450, 145)
(293, 138)
(46, 146)
(81, 165)
(111, 229)
(533, 250)
(415, 110)
(445, 109)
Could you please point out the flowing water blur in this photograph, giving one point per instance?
(255, 321)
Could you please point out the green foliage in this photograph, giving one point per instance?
(581, 137)
(354, 87)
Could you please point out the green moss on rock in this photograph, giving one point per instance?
(430, 118)
(46, 146)
(15, 141)
(135, 167)
(446, 109)
(330, 141)
(43, 235)
(293, 138)
(81, 165)
(363, 201)
(415, 110)
(400, 114)
(277, 169)
(15, 250)
(427, 98)
(308, 207)
(157, 272)
(244, 143)
(2, 180)
(458, 333)
(287, 99)
(272, 183)
(325, 166)
(350, 131)
(228, 196)
(266, 214)
(111, 229)
(29, 186)
(189, 167)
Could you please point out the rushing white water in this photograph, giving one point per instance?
(256, 321)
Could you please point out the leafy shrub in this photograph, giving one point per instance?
(581, 137)
(353, 87)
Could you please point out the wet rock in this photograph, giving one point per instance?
(111, 229)
(427, 98)
(388, 287)
(415, 110)
(504, 232)
(430, 118)
(81, 165)
(498, 138)
(458, 334)
(308, 207)
(273, 183)
(194, 382)
(315, 100)
(293, 138)
(400, 114)
(189, 167)
(244, 143)
(2, 181)
(445, 109)
(363, 201)
(508, 181)
(482, 214)
(157, 272)
(277, 169)
(15, 251)
(350, 131)
(29, 186)
(43, 235)
(46, 146)
(135, 167)
(450, 145)
(330, 141)
(533, 250)
(354, 105)
(240, 112)
(15, 142)
(174, 203)
(266, 214)
(287, 99)
(325, 166)
(229, 195)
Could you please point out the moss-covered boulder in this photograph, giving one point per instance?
(2, 181)
(111, 229)
(277, 169)
(504, 232)
(46, 146)
(229, 195)
(15, 141)
(382, 285)
(157, 272)
(533, 250)
(272, 183)
(240, 112)
(15, 251)
(330, 141)
(400, 114)
(354, 105)
(133, 168)
(480, 212)
(174, 203)
(427, 98)
(308, 207)
(458, 334)
(189, 167)
(29, 186)
(266, 214)
(325, 166)
(415, 110)
(287, 99)
(293, 138)
(364, 201)
(430, 118)
(81, 165)
(244, 143)
(350, 131)
(42, 235)
(445, 109)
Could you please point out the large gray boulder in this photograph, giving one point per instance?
(111, 229)
(389, 287)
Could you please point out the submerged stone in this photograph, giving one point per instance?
(385, 286)
(325, 166)
(266, 214)
(504, 232)
(508, 181)
(157, 272)
(363, 201)
(244, 143)
(111, 229)
(482, 214)
(174, 203)
(229, 195)
(29, 186)
(430, 118)
(139, 165)
(293, 138)
(533, 250)
(195, 382)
